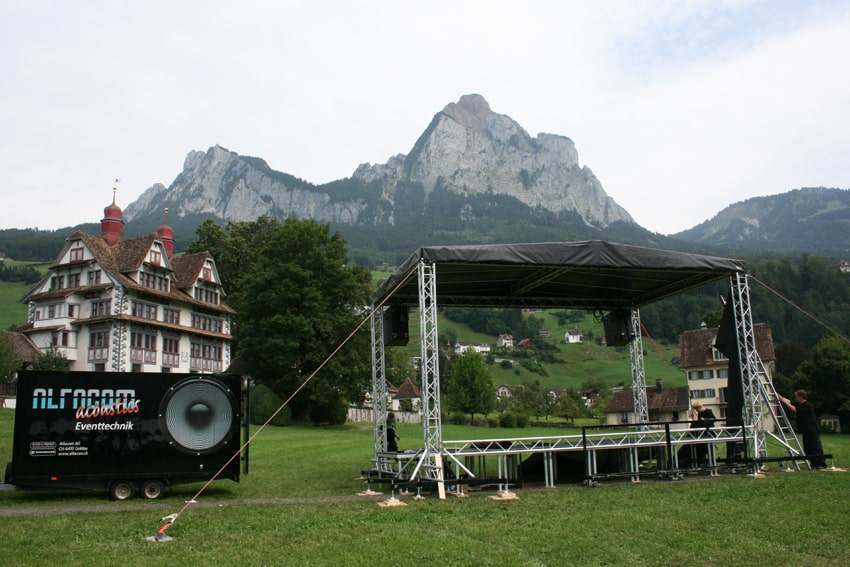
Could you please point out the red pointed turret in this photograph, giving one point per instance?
(166, 234)
(112, 224)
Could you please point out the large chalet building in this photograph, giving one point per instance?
(708, 369)
(116, 305)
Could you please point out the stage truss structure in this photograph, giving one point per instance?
(428, 465)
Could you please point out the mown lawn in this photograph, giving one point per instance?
(297, 507)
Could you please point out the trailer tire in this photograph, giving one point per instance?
(122, 490)
(153, 489)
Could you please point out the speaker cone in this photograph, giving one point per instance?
(197, 414)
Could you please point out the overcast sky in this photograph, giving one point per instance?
(679, 107)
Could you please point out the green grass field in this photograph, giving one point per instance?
(12, 312)
(297, 507)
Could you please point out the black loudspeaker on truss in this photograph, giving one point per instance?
(618, 328)
(396, 327)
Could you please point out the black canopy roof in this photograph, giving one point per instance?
(576, 275)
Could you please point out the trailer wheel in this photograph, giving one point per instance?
(153, 489)
(122, 490)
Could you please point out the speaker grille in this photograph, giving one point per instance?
(197, 414)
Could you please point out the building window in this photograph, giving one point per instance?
(206, 323)
(700, 375)
(206, 295)
(723, 373)
(57, 282)
(99, 346)
(171, 316)
(170, 351)
(77, 254)
(100, 308)
(153, 281)
(205, 357)
(60, 338)
(156, 257)
(624, 418)
(94, 277)
(73, 280)
(207, 274)
(51, 311)
(717, 355)
(144, 310)
(143, 347)
(703, 394)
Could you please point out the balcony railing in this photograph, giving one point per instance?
(99, 354)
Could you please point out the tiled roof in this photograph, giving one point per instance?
(695, 346)
(407, 391)
(25, 349)
(187, 267)
(128, 256)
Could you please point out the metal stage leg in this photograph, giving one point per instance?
(379, 389)
(759, 393)
(430, 465)
(640, 404)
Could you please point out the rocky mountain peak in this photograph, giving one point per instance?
(471, 111)
(471, 150)
(467, 151)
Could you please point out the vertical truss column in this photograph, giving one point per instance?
(431, 463)
(640, 404)
(750, 363)
(379, 384)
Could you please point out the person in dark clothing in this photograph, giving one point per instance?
(705, 418)
(807, 426)
(392, 436)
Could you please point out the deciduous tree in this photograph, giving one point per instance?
(299, 301)
(471, 387)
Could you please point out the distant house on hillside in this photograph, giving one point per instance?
(505, 341)
(573, 337)
(590, 395)
(664, 404)
(504, 391)
(480, 348)
(408, 391)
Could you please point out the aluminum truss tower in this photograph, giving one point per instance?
(379, 388)
(430, 464)
(640, 404)
(759, 394)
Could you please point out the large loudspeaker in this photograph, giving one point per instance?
(618, 328)
(396, 330)
(197, 415)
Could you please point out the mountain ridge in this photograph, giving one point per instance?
(800, 220)
(467, 149)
